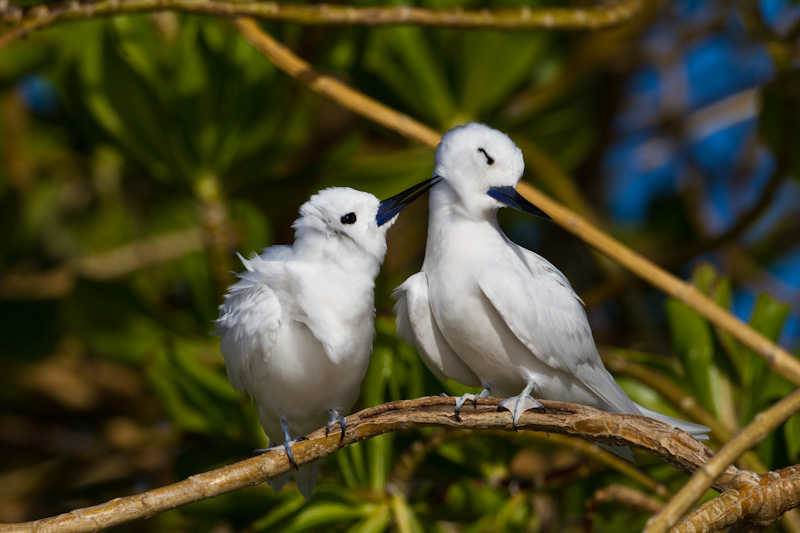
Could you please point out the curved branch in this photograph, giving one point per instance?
(676, 447)
(720, 432)
(761, 426)
(778, 359)
(759, 502)
(521, 18)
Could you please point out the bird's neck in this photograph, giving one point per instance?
(453, 231)
(339, 254)
(447, 210)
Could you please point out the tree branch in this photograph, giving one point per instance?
(521, 18)
(333, 89)
(617, 363)
(676, 447)
(761, 426)
(778, 359)
(757, 501)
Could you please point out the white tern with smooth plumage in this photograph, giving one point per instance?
(297, 329)
(487, 312)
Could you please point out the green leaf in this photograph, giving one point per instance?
(644, 395)
(768, 317)
(403, 58)
(706, 278)
(512, 513)
(167, 390)
(404, 515)
(347, 469)
(186, 358)
(494, 64)
(792, 432)
(379, 449)
(318, 514)
(694, 346)
(378, 520)
(358, 461)
(143, 119)
(288, 507)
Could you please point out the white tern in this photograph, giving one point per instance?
(485, 311)
(297, 329)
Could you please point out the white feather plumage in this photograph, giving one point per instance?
(297, 328)
(485, 311)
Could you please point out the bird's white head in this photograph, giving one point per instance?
(344, 219)
(479, 169)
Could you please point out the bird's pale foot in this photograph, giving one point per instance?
(469, 396)
(287, 447)
(520, 403)
(288, 442)
(335, 417)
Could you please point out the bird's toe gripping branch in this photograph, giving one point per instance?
(469, 396)
(521, 403)
(335, 417)
(289, 441)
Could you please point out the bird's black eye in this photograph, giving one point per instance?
(349, 218)
(489, 159)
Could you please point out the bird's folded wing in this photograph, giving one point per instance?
(417, 326)
(539, 306)
(541, 312)
(249, 320)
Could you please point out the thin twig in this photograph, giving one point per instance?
(331, 88)
(678, 448)
(778, 359)
(521, 18)
(761, 426)
(627, 496)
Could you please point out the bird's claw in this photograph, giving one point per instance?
(335, 417)
(518, 405)
(259, 451)
(460, 402)
(287, 446)
(289, 441)
(469, 396)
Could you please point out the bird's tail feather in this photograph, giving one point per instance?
(306, 478)
(278, 482)
(696, 430)
(622, 451)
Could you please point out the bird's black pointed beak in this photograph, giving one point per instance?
(510, 197)
(392, 206)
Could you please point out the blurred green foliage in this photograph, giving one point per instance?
(171, 125)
